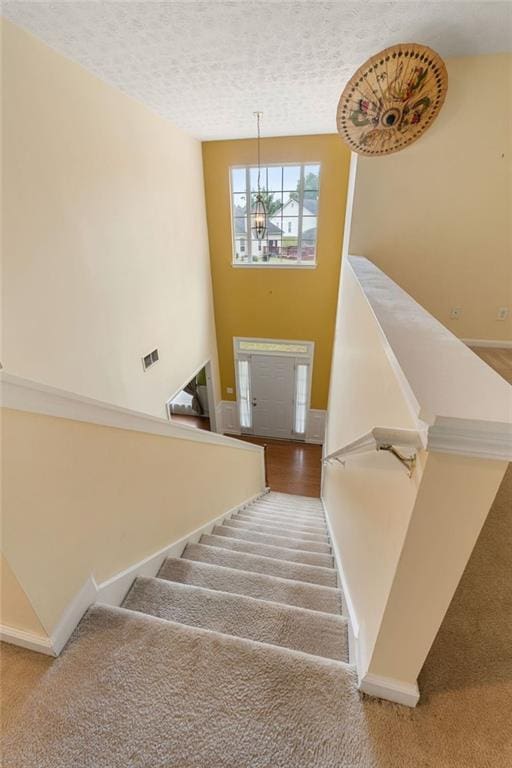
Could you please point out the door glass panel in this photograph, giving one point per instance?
(245, 394)
(301, 389)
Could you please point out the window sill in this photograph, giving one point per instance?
(274, 266)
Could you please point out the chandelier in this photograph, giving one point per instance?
(258, 209)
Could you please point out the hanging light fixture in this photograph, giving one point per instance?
(258, 210)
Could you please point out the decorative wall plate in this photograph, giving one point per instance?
(392, 99)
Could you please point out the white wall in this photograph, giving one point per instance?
(105, 241)
(436, 217)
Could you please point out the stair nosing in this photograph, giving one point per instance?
(272, 526)
(264, 575)
(225, 524)
(261, 544)
(338, 616)
(269, 516)
(270, 559)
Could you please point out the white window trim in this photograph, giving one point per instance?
(306, 358)
(296, 265)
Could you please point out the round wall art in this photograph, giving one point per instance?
(392, 99)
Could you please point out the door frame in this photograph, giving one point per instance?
(302, 351)
(212, 415)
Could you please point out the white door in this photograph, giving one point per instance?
(272, 392)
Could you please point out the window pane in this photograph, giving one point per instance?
(259, 251)
(245, 394)
(254, 179)
(286, 209)
(241, 226)
(238, 179)
(241, 250)
(239, 204)
(301, 391)
(309, 227)
(275, 178)
(273, 202)
(290, 227)
(311, 176)
(309, 206)
(291, 177)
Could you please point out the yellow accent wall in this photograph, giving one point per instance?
(277, 303)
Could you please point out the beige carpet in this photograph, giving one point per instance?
(136, 690)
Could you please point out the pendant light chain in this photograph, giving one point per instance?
(258, 114)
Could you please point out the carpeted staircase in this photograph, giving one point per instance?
(234, 656)
(266, 575)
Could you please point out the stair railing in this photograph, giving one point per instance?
(382, 439)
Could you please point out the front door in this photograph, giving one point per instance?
(272, 391)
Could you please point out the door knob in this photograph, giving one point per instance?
(254, 401)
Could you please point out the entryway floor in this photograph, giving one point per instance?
(199, 422)
(291, 467)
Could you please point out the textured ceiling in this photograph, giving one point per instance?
(207, 66)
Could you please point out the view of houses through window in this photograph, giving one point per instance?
(290, 194)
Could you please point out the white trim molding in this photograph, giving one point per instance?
(229, 417)
(315, 426)
(478, 439)
(390, 689)
(112, 591)
(28, 640)
(25, 395)
(493, 343)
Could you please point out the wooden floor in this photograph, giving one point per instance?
(292, 467)
(199, 422)
(498, 358)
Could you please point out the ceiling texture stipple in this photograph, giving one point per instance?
(208, 66)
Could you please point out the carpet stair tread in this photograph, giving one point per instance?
(270, 566)
(319, 634)
(265, 538)
(278, 530)
(267, 550)
(262, 586)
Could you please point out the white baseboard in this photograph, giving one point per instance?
(352, 615)
(390, 689)
(109, 592)
(315, 430)
(494, 343)
(28, 640)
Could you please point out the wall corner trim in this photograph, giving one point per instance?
(390, 689)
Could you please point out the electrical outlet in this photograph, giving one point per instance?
(502, 313)
(455, 313)
(229, 390)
